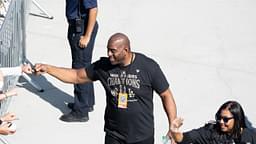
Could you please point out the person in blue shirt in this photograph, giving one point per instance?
(82, 30)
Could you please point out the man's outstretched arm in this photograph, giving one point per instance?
(66, 75)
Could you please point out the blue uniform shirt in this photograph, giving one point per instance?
(72, 8)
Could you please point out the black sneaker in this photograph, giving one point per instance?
(73, 117)
(71, 106)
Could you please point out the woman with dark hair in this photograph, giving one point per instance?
(229, 128)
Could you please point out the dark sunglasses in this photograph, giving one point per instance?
(225, 119)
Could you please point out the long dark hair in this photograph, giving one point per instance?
(239, 118)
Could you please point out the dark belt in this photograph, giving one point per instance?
(73, 21)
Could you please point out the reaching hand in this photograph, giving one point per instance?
(40, 68)
(5, 129)
(26, 68)
(9, 117)
(174, 133)
(170, 137)
(11, 92)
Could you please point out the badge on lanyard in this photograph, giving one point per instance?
(122, 99)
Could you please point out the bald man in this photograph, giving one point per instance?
(129, 80)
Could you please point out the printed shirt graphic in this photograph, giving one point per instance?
(129, 90)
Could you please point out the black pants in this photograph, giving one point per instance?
(81, 58)
(110, 139)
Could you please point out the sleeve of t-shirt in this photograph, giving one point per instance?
(254, 137)
(159, 81)
(91, 71)
(90, 4)
(249, 136)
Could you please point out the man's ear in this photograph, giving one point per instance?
(126, 49)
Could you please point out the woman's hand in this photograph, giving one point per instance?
(8, 117)
(5, 129)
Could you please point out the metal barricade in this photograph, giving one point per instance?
(12, 44)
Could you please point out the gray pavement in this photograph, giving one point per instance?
(205, 48)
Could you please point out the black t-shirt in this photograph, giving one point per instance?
(208, 135)
(139, 79)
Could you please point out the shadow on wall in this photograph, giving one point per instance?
(52, 95)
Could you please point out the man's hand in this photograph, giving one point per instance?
(40, 68)
(174, 131)
(176, 124)
(83, 42)
(169, 134)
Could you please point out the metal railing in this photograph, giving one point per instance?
(12, 43)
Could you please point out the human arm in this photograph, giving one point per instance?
(7, 71)
(8, 94)
(66, 75)
(199, 135)
(169, 107)
(85, 39)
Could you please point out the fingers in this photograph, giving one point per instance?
(173, 141)
(12, 92)
(39, 69)
(27, 68)
(12, 116)
(6, 130)
(83, 42)
(9, 117)
(81, 45)
(176, 124)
